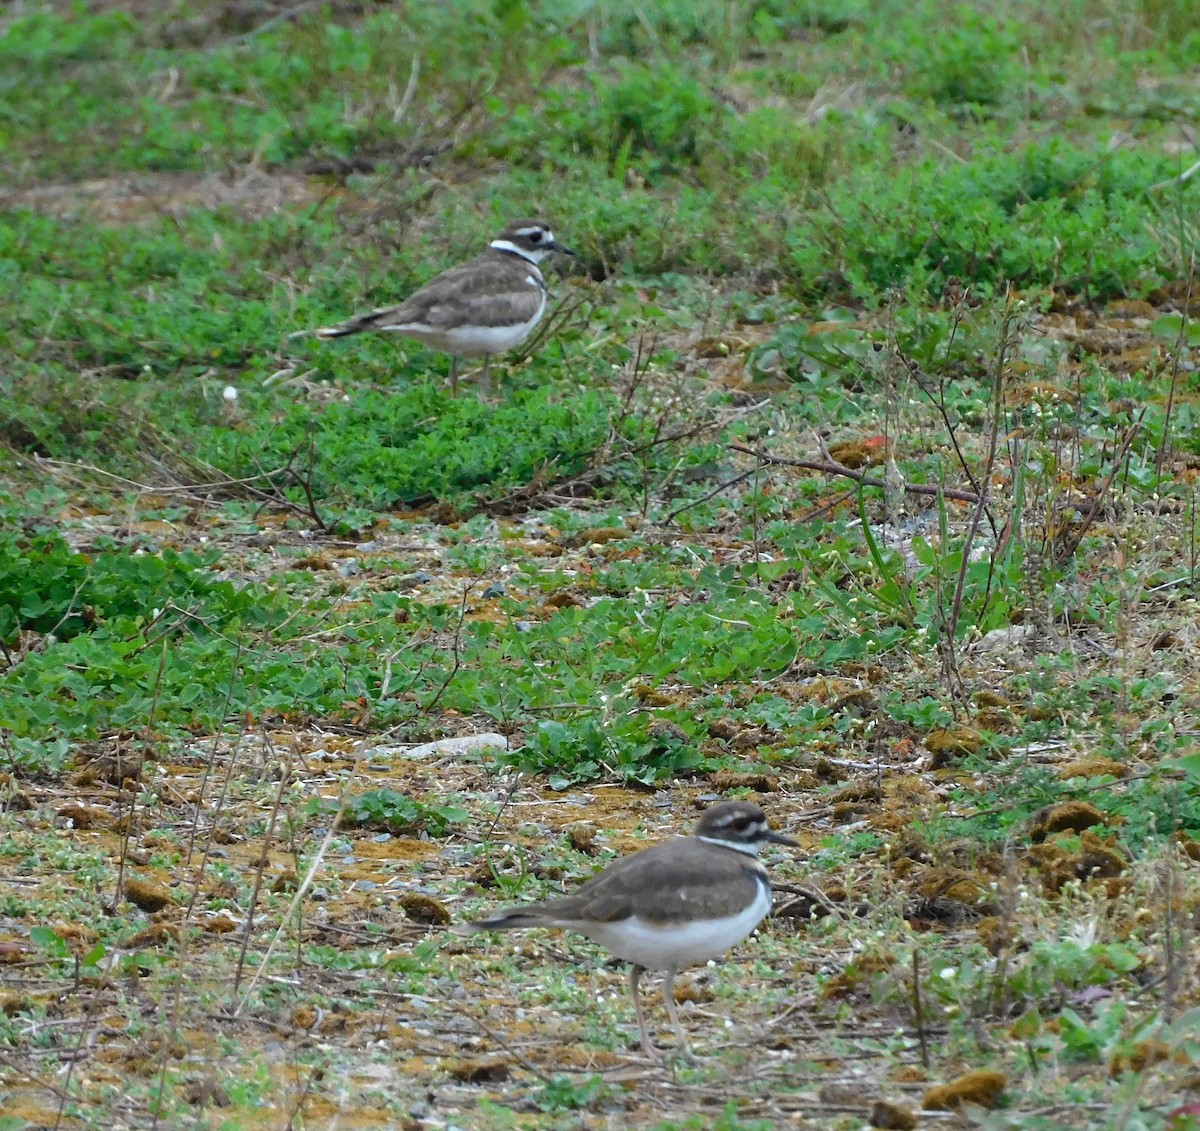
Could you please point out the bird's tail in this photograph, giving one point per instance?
(505, 921)
(355, 325)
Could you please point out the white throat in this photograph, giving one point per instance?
(533, 255)
(747, 849)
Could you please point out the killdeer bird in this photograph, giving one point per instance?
(488, 305)
(674, 904)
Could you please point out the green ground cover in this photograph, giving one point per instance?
(854, 467)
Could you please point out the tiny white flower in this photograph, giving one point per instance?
(230, 394)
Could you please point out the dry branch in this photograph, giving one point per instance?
(832, 467)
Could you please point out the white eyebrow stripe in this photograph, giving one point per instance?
(508, 245)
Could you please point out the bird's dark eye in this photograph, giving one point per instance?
(535, 237)
(741, 823)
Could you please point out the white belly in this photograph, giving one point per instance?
(472, 341)
(679, 945)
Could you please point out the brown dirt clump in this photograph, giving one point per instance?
(979, 1087)
(1096, 858)
(1142, 1056)
(424, 909)
(857, 974)
(725, 780)
(1092, 768)
(950, 743)
(146, 894)
(891, 1116)
(1071, 816)
(855, 454)
(157, 934)
(481, 1070)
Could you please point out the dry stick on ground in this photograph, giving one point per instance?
(457, 645)
(268, 840)
(946, 637)
(8, 751)
(64, 1096)
(315, 1075)
(303, 886)
(918, 1007)
(524, 1062)
(639, 373)
(813, 895)
(278, 18)
(1066, 550)
(1008, 893)
(305, 482)
(1191, 171)
(1170, 968)
(1180, 344)
(613, 449)
(939, 403)
(85, 1031)
(205, 489)
(826, 508)
(284, 473)
(235, 667)
(182, 954)
(508, 796)
(1193, 547)
(711, 494)
(557, 318)
(832, 467)
(523, 495)
(128, 831)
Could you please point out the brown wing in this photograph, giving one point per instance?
(663, 884)
(484, 292)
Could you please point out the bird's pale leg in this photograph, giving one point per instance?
(635, 976)
(485, 382)
(668, 992)
(453, 376)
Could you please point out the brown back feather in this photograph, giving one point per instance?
(479, 291)
(678, 886)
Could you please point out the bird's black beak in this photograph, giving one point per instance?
(779, 838)
(556, 246)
